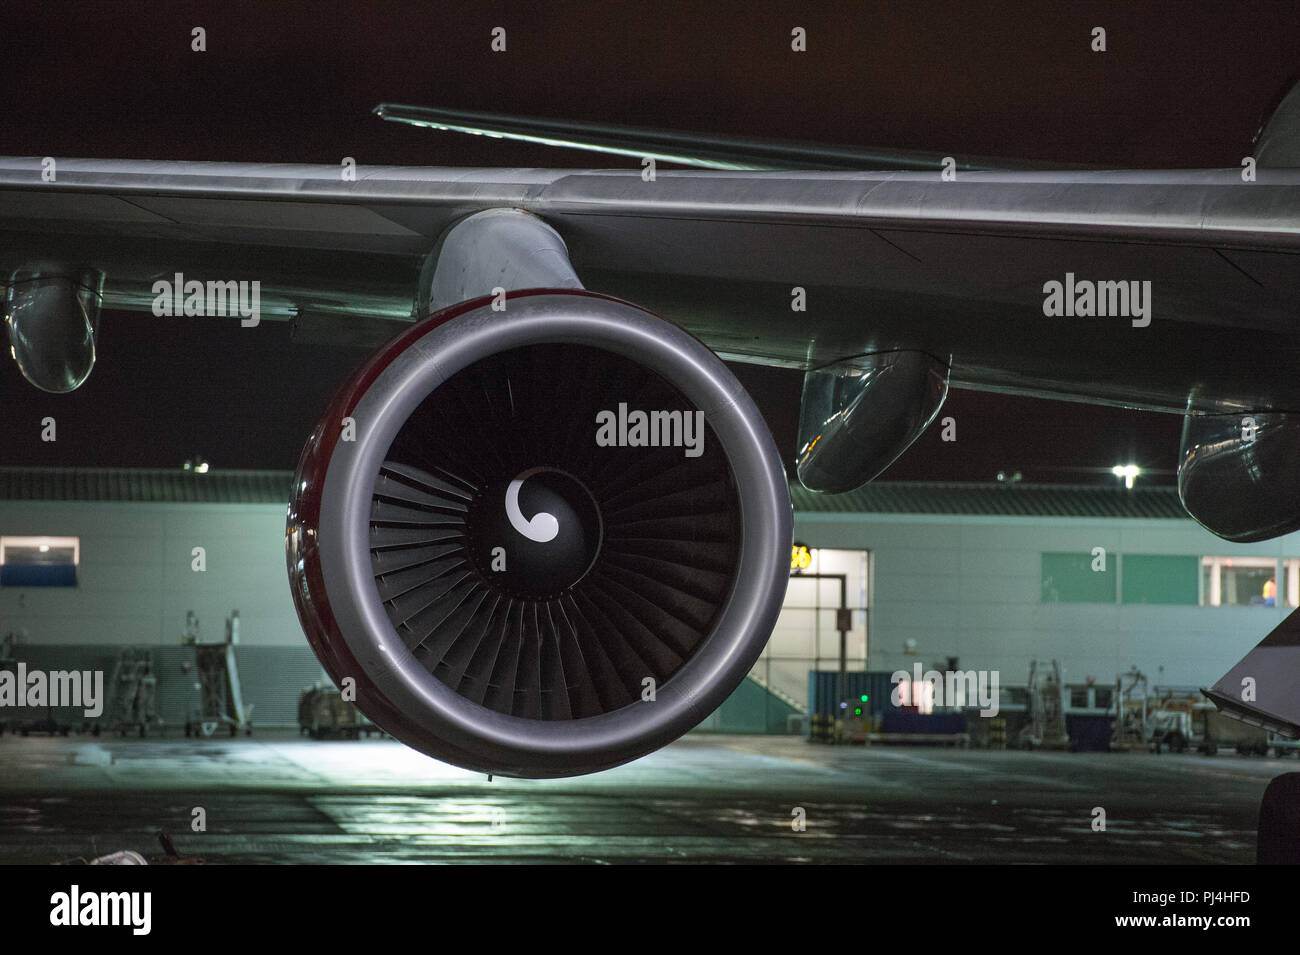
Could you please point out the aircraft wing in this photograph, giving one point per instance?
(954, 267)
(1171, 290)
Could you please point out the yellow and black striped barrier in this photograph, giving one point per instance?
(821, 728)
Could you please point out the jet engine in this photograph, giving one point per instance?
(540, 535)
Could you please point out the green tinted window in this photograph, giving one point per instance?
(1160, 579)
(1069, 578)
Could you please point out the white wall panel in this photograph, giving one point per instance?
(135, 581)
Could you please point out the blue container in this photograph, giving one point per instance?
(901, 721)
(1088, 734)
(824, 692)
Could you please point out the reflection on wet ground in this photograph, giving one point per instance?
(279, 799)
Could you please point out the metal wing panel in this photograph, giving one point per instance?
(889, 260)
(1211, 206)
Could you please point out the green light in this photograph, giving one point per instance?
(864, 697)
(857, 711)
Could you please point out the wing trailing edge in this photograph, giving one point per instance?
(688, 149)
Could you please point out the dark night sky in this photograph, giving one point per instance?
(1182, 84)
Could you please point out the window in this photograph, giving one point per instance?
(1160, 579)
(919, 694)
(1089, 697)
(805, 638)
(39, 561)
(1240, 581)
(1071, 578)
(1291, 574)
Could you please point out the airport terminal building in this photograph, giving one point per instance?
(95, 563)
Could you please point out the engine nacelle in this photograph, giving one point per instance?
(542, 541)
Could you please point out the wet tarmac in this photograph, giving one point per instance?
(277, 798)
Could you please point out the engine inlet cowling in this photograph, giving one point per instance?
(542, 541)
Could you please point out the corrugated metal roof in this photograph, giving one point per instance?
(145, 485)
(172, 485)
(1010, 500)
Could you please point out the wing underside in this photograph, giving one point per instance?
(885, 260)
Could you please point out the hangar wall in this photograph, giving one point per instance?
(136, 579)
(970, 586)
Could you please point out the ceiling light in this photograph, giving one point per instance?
(1126, 471)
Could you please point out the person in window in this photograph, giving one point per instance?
(1270, 593)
